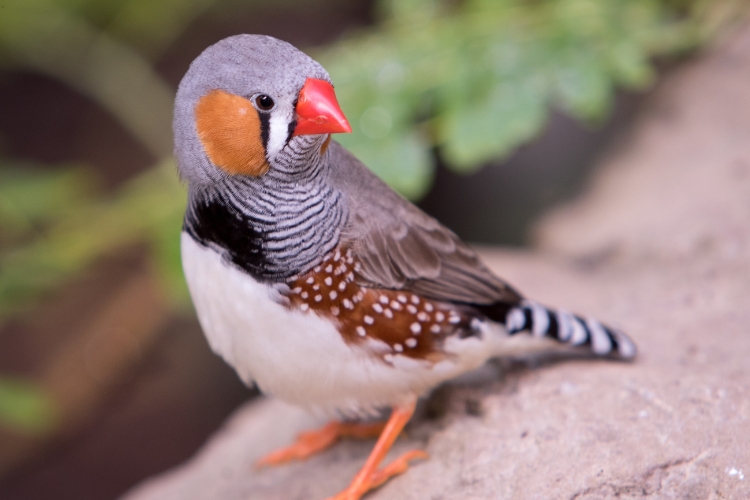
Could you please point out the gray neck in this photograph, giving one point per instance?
(275, 226)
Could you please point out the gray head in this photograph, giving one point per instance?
(245, 102)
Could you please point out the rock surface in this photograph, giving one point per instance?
(660, 246)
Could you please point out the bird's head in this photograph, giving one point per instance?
(249, 104)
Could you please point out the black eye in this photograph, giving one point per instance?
(264, 102)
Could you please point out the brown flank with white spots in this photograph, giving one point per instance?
(411, 325)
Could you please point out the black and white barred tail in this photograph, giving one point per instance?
(569, 329)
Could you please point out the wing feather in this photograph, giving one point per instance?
(400, 247)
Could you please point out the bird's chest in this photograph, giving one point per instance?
(296, 355)
(325, 344)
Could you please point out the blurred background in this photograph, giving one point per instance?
(485, 112)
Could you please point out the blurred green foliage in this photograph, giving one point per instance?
(471, 80)
(476, 79)
(147, 208)
(25, 407)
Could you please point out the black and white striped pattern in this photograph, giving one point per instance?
(568, 328)
(277, 225)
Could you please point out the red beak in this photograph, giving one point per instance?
(318, 111)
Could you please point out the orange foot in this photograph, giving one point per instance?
(312, 442)
(370, 476)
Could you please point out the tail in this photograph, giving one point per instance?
(569, 329)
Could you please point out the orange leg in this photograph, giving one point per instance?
(370, 476)
(312, 442)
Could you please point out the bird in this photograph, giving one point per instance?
(316, 281)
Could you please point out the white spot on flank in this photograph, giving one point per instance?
(357, 266)
(377, 307)
(423, 316)
(337, 256)
(454, 320)
(388, 313)
(435, 328)
(395, 305)
(304, 295)
(310, 280)
(342, 285)
(333, 295)
(415, 328)
(328, 281)
(335, 311)
(737, 472)
(348, 304)
(296, 289)
(411, 309)
(316, 287)
(360, 331)
(329, 268)
(412, 342)
(402, 299)
(316, 270)
(350, 277)
(439, 317)
(414, 299)
(398, 347)
(428, 307)
(318, 298)
(304, 307)
(383, 299)
(369, 320)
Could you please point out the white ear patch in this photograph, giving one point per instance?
(278, 126)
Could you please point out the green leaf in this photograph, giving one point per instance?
(483, 74)
(24, 407)
(512, 113)
(144, 210)
(31, 196)
(583, 86)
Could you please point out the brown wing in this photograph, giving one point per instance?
(400, 247)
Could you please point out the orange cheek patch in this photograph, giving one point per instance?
(229, 129)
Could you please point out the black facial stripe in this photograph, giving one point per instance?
(290, 130)
(265, 129)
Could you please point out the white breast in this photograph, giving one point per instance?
(301, 357)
